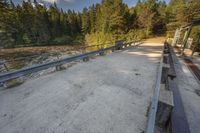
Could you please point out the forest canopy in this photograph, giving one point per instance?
(33, 24)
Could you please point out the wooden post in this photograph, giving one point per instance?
(186, 38)
(176, 37)
(3, 64)
(195, 45)
(5, 67)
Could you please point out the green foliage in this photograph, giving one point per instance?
(111, 20)
(85, 21)
(67, 40)
(26, 39)
(152, 17)
(99, 38)
(34, 24)
(62, 40)
(136, 35)
(181, 12)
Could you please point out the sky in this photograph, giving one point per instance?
(78, 5)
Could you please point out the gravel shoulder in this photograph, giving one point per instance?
(108, 94)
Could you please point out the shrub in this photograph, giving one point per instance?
(62, 40)
(26, 39)
(135, 35)
(67, 40)
(99, 38)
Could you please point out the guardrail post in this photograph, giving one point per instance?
(119, 45)
(102, 53)
(60, 67)
(85, 59)
(113, 49)
(13, 82)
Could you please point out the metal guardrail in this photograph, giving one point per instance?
(161, 74)
(25, 71)
(82, 48)
(154, 102)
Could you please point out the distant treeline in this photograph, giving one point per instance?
(32, 23)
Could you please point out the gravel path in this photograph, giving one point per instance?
(108, 94)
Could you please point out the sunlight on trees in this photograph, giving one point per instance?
(33, 24)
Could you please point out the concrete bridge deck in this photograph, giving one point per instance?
(109, 94)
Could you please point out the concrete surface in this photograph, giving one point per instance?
(109, 94)
(188, 88)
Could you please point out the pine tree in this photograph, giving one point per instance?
(41, 24)
(149, 18)
(85, 21)
(92, 18)
(7, 24)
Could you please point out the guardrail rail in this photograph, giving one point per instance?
(5, 76)
(162, 103)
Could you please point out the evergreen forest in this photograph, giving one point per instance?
(34, 24)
